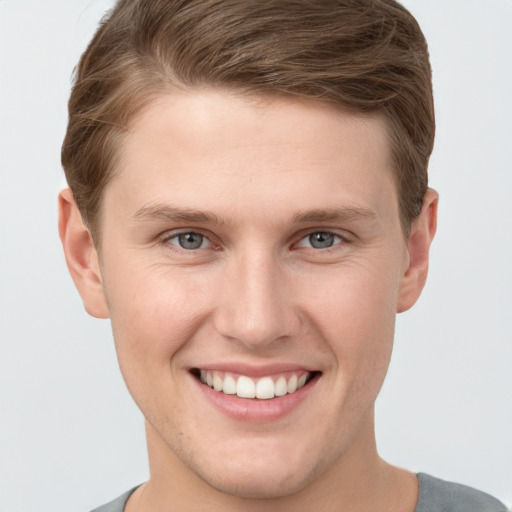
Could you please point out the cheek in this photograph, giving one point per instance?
(357, 299)
(356, 315)
(154, 315)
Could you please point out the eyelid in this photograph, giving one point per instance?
(169, 235)
(344, 239)
(165, 237)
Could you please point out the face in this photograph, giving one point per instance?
(253, 261)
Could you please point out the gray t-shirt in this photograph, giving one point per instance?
(434, 496)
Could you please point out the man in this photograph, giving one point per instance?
(248, 204)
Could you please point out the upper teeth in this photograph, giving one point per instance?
(246, 387)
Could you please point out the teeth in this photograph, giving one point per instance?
(291, 386)
(229, 385)
(280, 387)
(217, 382)
(265, 388)
(245, 387)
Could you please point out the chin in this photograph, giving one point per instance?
(263, 484)
(261, 476)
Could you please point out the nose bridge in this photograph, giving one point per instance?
(256, 308)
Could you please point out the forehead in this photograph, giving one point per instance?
(223, 119)
(216, 150)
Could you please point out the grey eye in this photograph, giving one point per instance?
(320, 240)
(190, 241)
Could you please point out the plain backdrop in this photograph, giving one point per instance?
(70, 437)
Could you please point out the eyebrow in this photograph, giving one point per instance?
(169, 213)
(334, 215)
(173, 214)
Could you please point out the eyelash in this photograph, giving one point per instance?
(342, 240)
(166, 240)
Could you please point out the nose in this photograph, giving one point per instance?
(256, 306)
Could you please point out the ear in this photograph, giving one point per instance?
(422, 233)
(81, 256)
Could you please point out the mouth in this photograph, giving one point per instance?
(263, 388)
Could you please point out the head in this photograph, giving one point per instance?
(252, 182)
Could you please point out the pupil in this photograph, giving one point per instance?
(190, 240)
(321, 240)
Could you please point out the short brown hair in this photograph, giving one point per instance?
(367, 56)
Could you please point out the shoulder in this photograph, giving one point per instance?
(437, 495)
(116, 505)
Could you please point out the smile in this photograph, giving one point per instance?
(263, 388)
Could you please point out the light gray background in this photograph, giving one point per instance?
(70, 437)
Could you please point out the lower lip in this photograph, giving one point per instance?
(253, 409)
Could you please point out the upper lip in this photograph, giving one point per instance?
(252, 370)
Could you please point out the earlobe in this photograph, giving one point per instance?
(81, 256)
(422, 233)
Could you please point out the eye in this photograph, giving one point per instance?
(320, 240)
(189, 241)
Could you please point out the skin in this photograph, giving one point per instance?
(268, 173)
